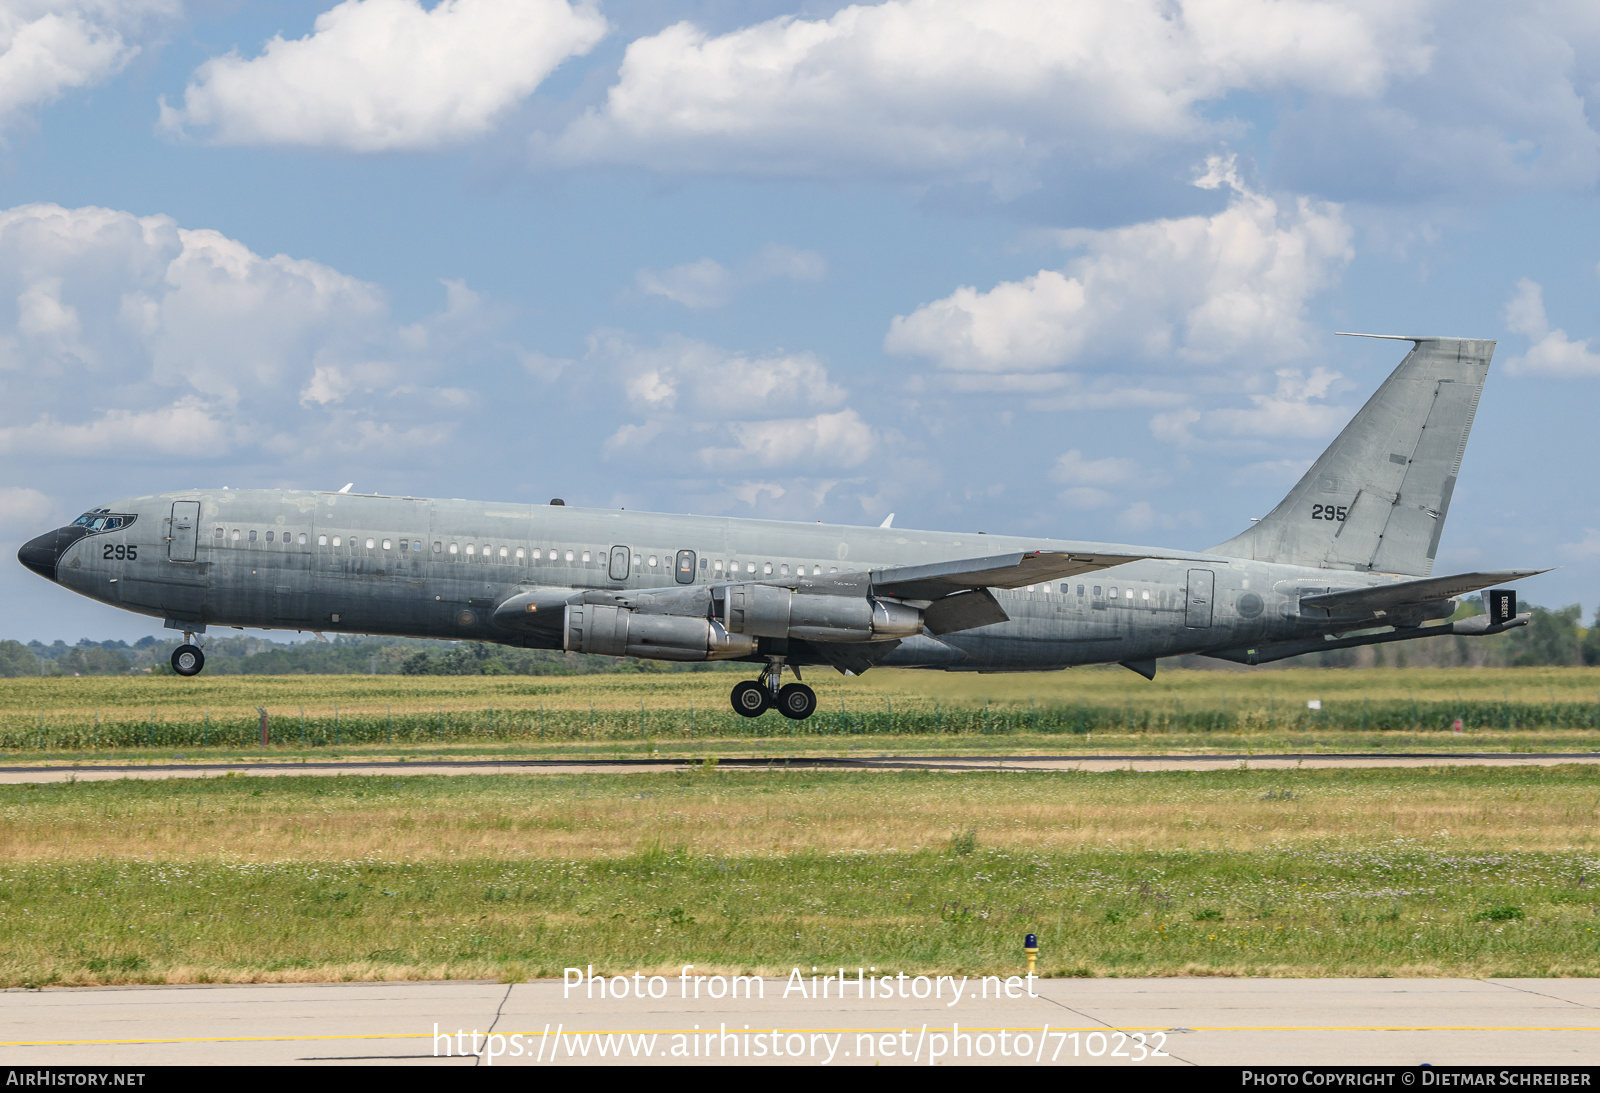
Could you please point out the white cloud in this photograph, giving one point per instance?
(131, 335)
(708, 283)
(1586, 549)
(1099, 483)
(1288, 412)
(706, 409)
(49, 47)
(680, 375)
(1507, 103)
(384, 75)
(1073, 468)
(186, 425)
(1294, 409)
(1552, 352)
(803, 446)
(981, 87)
(26, 512)
(1195, 290)
(703, 284)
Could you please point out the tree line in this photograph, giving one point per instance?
(1554, 637)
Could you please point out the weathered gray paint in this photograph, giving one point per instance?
(507, 573)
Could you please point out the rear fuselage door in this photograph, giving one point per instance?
(1202, 583)
(185, 530)
(619, 563)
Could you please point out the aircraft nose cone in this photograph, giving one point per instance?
(42, 554)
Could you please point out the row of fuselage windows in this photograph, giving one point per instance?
(1131, 597)
(714, 567)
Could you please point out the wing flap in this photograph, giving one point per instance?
(1016, 570)
(1388, 597)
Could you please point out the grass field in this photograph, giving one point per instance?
(1459, 871)
(1099, 709)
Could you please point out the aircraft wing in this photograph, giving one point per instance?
(1388, 597)
(1015, 570)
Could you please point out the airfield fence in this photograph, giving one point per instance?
(297, 727)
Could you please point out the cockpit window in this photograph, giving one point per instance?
(101, 520)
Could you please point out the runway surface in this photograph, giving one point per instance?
(95, 772)
(1123, 1022)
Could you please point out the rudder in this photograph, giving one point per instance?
(1377, 499)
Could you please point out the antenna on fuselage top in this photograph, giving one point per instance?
(888, 521)
(347, 486)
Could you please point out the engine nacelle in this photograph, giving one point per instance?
(620, 632)
(769, 611)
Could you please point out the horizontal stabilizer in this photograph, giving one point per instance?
(1383, 598)
(1476, 626)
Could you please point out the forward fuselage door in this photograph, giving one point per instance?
(619, 563)
(181, 540)
(1202, 585)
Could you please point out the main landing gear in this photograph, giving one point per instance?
(188, 659)
(754, 697)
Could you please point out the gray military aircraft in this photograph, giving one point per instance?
(1345, 559)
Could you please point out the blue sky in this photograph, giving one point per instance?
(1071, 270)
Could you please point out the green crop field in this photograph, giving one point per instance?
(1460, 871)
(1415, 871)
(1099, 709)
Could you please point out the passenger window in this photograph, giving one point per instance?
(833, 569)
(453, 548)
(269, 536)
(750, 567)
(504, 552)
(235, 535)
(703, 565)
(322, 540)
(553, 555)
(521, 553)
(569, 555)
(336, 539)
(302, 538)
(586, 557)
(716, 566)
(218, 535)
(437, 546)
(405, 544)
(471, 550)
(636, 560)
(369, 544)
(1145, 595)
(783, 570)
(652, 561)
(1097, 592)
(1080, 590)
(387, 545)
(416, 545)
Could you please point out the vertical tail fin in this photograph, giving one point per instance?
(1377, 498)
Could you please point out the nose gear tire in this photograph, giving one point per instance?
(750, 699)
(797, 702)
(187, 660)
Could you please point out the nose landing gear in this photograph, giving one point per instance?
(754, 697)
(188, 659)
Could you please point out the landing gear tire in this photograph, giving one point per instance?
(187, 660)
(750, 699)
(797, 702)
